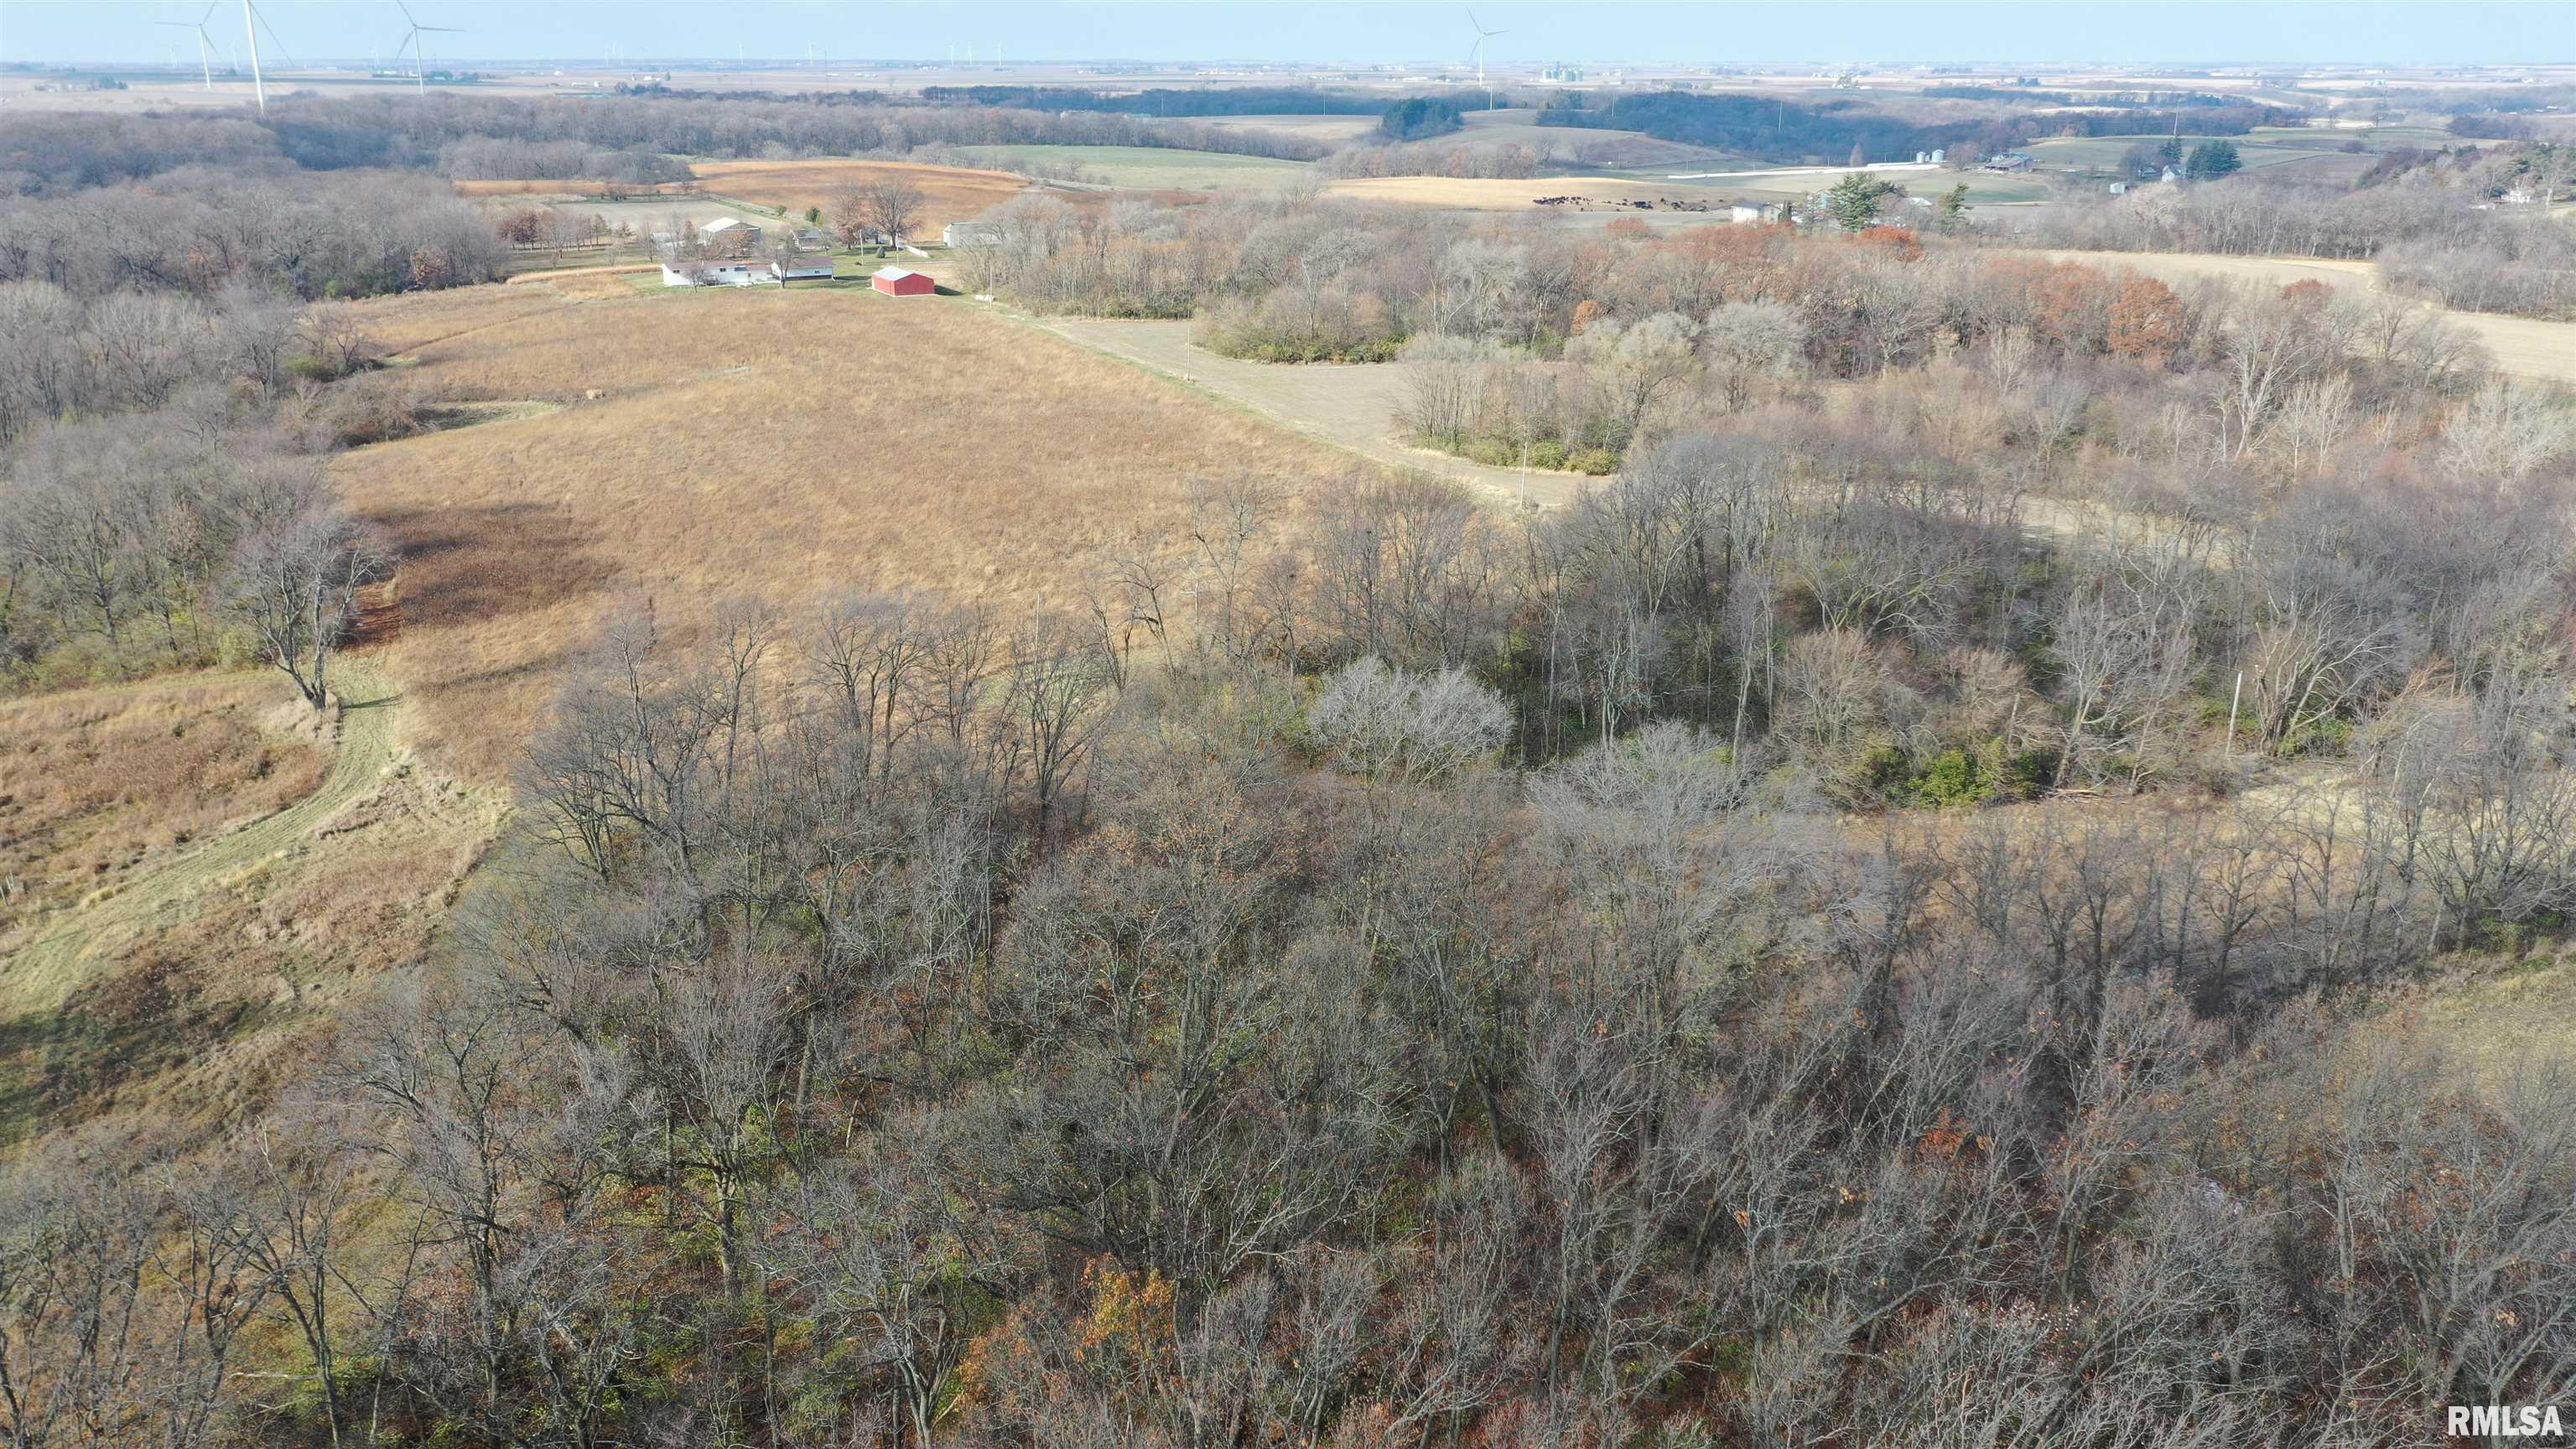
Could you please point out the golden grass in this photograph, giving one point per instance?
(949, 193)
(2524, 1009)
(759, 442)
(401, 324)
(210, 872)
(575, 274)
(95, 782)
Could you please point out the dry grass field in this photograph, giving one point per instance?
(1148, 168)
(207, 869)
(761, 442)
(1331, 130)
(96, 782)
(2492, 1022)
(949, 193)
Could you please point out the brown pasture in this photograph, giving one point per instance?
(758, 442)
(208, 870)
(949, 193)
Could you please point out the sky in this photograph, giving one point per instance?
(2402, 32)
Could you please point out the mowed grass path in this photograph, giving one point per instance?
(243, 878)
(754, 442)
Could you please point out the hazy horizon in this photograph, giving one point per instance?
(2409, 33)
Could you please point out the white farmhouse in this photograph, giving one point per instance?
(719, 272)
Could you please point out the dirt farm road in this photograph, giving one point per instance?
(1348, 406)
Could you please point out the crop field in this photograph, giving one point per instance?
(1331, 130)
(1149, 168)
(750, 442)
(949, 193)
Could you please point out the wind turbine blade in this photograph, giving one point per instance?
(446, 29)
(407, 15)
(282, 51)
(210, 13)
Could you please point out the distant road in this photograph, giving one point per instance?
(2522, 346)
(1351, 406)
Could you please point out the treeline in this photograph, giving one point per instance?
(1784, 131)
(49, 152)
(2131, 101)
(1827, 131)
(2451, 241)
(199, 230)
(1166, 103)
(628, 137)
(1419, 119)
(376, 131)
(1290, 280)
(511, 159)
(204, 531)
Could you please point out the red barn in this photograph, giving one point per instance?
(896, 282)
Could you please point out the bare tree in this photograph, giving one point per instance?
(892, 208)
(295, 579)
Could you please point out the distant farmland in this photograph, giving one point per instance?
(1150, 168)
(949, 193)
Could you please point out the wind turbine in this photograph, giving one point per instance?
(207, 67)
(251, 21)
(1478, 55)
(411, 38)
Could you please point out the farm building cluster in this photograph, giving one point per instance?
(745, 271)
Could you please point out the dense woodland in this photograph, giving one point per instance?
(1823, 132)
(1888, 921)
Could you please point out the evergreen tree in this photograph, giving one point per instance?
(1854, 200)
(2212, 159)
